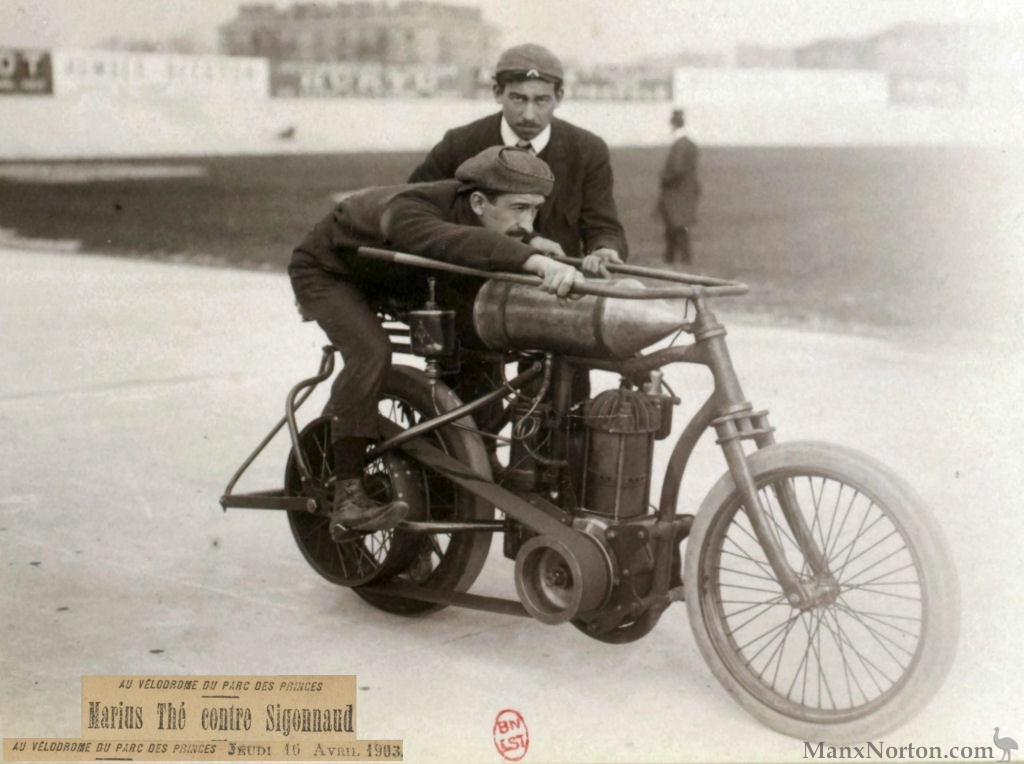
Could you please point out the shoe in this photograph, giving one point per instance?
(355, 510)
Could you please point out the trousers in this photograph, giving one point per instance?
(677, 241)
(349, 319)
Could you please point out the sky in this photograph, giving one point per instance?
(583, 31)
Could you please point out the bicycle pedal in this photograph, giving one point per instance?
(342, 535)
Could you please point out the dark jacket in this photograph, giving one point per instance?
(428, 219)
(580, 214)
(680, 188)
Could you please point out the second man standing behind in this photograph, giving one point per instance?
(580, 214)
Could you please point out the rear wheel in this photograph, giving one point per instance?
(446, 561)
(358, 557)
(880, 640)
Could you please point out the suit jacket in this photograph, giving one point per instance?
(428, 219)
(580, 213)
(680, 187)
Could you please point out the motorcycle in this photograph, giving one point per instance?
(818, 585)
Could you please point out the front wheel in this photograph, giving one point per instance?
(877, 644)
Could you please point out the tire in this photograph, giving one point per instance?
(451, 561)
(362, 557)
(442, 561)
(855, 665)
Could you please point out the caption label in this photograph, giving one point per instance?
(212, 718)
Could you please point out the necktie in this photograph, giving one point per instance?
(525, 145)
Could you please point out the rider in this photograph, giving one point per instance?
(483, 219)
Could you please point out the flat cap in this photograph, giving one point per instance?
(506, 170)
(531, 61)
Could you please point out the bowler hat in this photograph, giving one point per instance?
(533, 62)
(506, 170)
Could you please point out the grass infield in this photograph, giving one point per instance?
(917, 238)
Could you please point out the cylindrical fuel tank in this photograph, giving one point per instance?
(510, 316)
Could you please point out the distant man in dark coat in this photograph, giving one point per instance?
(680, 190)
(483, 219)
(580, 214)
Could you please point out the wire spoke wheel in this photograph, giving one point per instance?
(439, 501)
(358, 557)
(447, 561)
(881, 632)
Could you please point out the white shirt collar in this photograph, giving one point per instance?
(509, 137)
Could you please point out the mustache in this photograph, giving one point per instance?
(518, 233)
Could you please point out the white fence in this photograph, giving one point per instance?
(146, 75)
(113, 104)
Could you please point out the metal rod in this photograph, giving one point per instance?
(641, 365)
(591, 287)
(326, 369)
(482, 526)
(443, 597)
(655, 273)
(457, 413)
(328, 356)
(512, 504)
(269, 500)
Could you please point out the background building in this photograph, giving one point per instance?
(924, 63)
(411, 32)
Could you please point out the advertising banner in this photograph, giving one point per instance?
(618, 85)
(298, 79)
(158, 74)
(604, 83)
(306, 79)
(25, 72)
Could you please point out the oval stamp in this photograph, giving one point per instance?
(511, 737)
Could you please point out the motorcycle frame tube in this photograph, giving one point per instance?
(511, 386)
(562, 400)
(292, 403)
(326, 369)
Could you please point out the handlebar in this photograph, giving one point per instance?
(654, 273)
(696, 286)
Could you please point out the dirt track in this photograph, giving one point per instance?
(130, 391)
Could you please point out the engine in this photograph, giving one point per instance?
(621, 426)
(610, 455)
(613, 481)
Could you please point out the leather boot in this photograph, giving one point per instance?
(355, 510)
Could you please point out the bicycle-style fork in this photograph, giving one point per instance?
(734, 421)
